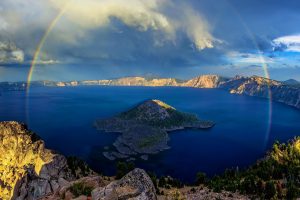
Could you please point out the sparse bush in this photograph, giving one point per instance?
(80, 188)
(123, 168)
(78, 167)
(263, 179)
(201, 178)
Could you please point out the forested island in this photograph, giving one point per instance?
(144, 129)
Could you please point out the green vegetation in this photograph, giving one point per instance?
(201, 178)
(123, 168)
(151, 140)
(80, 188)
(166, 182)
(169, 182)
(275, 177)
(153, 118)
(78, 167)
(154, 180)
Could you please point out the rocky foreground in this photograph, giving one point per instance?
(144, 129)
(29, 171)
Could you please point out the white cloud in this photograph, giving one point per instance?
(287, 43)
(9, 53)
(248, 58)
(196, 28)
(47, 62)
(3, 24)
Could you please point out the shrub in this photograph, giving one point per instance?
(78, 167)
(270, 190)
(123, 168)
(80, 188)
(201, 178)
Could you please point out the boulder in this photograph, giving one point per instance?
(136, 185)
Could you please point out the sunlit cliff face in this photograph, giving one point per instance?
(18, 153)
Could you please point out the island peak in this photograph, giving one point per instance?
(144, 128)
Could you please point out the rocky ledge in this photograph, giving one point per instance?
(144, 128)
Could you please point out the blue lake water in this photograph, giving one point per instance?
(64, 118)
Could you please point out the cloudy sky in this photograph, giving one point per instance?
(97, 39)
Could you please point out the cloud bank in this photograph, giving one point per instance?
(140, 14)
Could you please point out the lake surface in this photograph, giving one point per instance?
(64, 118)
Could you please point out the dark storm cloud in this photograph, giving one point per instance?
(157, 44)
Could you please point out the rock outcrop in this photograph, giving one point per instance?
(135, 81)
(136, 185)
(205, 81)
(27, 169)
(263, 87)
(144, 128)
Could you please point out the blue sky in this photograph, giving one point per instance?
(97, 39)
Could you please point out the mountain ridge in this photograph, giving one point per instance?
(252, 86)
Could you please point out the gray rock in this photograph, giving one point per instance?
(136, 185)
(109, 155)
(144, 157)
(27, 169)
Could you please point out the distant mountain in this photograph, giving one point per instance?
(263, 87)
(291, 82)
(287, 92)
(205, 81)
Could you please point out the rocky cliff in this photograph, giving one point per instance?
(263, 87)
(205, 81)
(135, 81)
(27, 169)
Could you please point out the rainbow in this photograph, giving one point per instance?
(265, 70)
(40, 46)
(62, 12)
(36, 57)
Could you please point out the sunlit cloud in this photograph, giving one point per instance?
(289, 43)
(142, 15)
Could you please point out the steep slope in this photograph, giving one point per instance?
(263, 87)
(26, 167)
(159, 114)
(205, 81)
